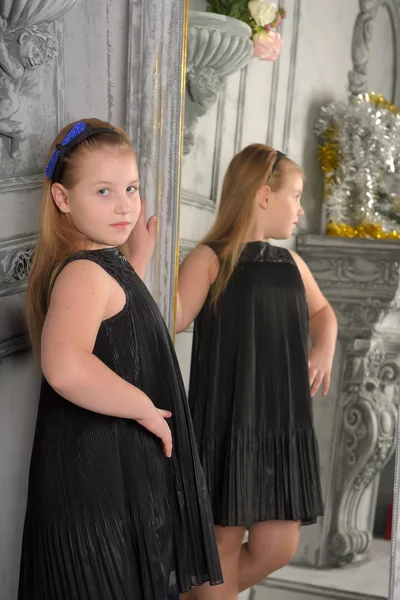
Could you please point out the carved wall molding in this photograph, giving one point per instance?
(216, 167)
(244, 73)
(29, 38)
(288, 97)
(15, 261)
(15, 184)
(217, 47)
(362, 38)
(11, 143)
(357, 318)
(198, 200)
(368, 441)
(370, 264)
(292, 75)
(360, 278)
(273, 97)
(356, 272)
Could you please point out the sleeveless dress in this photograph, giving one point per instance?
(109, 516)
(250, 395)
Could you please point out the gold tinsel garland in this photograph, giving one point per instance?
(368, 230)
(380, 101)
(329, 153)
(330, 158)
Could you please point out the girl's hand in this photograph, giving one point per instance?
(319, 368)
(157, 424)
(142, 240)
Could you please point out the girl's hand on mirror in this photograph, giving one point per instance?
(143, 237)
(319, 368)
(142, 240)
(156, 424)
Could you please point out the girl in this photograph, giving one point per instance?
(251, 373)
(117, 503)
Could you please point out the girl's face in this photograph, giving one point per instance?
(282, 209)
(104, 204)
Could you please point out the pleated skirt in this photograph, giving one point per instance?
(254, 477)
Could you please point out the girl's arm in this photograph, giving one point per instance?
(84, 295)
(323, 330)
(198, 271)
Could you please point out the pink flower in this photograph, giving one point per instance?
(276, 22)
(267, 45)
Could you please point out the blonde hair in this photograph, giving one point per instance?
(58, 238)
(249, 170)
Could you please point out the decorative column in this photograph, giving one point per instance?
(356, 422)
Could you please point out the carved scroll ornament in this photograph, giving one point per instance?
(26, 42)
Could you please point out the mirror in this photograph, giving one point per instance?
(346, 554)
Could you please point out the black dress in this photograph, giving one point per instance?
(109, 517)
(250, 396)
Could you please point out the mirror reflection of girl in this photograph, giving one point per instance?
(117, 502)
(252, 378)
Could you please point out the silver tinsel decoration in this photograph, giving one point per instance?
(360, 155)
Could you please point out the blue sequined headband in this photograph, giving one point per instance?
(77, 134)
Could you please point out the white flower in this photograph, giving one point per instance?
(262, 12)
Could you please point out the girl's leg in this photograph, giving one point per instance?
(271, 545)
(229, 540)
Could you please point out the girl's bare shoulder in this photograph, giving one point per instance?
(205, 258)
